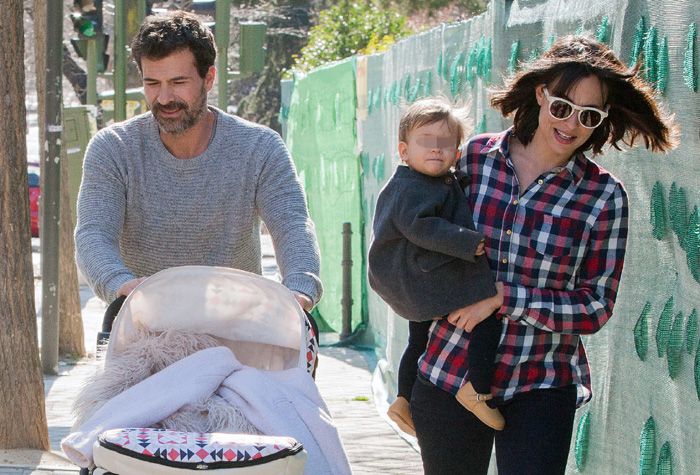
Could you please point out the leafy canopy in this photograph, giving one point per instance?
(349, 28)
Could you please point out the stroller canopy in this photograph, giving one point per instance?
(257, 318)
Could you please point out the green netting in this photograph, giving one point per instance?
(691, 332)
(662, 66)
(651, 49)
(678, 211)
(665, 465)
(603, 33)
(638, 41)
(630, 383)
(514, 55)
(647, 448)
(658, 211)
(641, 333)
(675, 346)
(663, 328)
(690, 73)
(691, 244)
(696, 369)
(581, 441)
(322, 138)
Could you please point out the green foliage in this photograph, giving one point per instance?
(472, 7)
(349, 28)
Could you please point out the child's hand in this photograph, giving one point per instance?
(480, 249)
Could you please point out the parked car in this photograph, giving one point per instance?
(34, 193)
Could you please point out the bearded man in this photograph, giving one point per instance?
(186, 183)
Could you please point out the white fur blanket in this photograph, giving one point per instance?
(209, 390)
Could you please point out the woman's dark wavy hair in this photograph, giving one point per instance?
(633, 113)
(164, 34)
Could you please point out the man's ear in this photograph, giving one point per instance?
(403, 148)
(209, 78)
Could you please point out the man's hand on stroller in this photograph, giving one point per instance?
(304, 300)
(127, 287)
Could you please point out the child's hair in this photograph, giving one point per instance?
(435, 109)
(633, 112)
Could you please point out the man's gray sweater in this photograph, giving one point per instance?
(141, 209)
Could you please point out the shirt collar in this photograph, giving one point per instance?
(499, 145)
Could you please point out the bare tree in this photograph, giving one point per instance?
(22, 412)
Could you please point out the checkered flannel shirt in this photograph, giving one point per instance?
(559, 249)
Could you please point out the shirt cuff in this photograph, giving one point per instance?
(114, 284)
(304, 283)
(515, 301)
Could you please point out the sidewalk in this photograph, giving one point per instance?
(343, 378)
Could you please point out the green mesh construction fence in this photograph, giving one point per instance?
(321, 136)
(645, 362)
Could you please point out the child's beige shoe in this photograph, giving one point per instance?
(476, 403)
(400, 412)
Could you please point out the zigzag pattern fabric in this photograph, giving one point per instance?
(197, 447)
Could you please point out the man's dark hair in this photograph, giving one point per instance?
(167, 33)
(633, 113)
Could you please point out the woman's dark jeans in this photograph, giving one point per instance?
(481, 354)
(535, 441)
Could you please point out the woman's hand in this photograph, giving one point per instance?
(470, 316)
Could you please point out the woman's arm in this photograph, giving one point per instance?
(587, 307)
(583, 310)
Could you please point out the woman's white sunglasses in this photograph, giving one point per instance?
(561, 109)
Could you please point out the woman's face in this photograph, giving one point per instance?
(563, 137)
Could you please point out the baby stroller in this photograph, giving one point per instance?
(262, 366)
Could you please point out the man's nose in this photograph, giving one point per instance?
(165, 95)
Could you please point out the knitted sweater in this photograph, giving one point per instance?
(141, 209)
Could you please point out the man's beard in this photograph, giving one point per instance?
(190, 114)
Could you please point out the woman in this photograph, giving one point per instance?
(556, 229)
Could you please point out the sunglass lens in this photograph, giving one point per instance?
(590, 118)
(560, 109)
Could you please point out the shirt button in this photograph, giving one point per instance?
(540, 181)
(448, 181)
(509, 232)
(504, 260)
(515, 202)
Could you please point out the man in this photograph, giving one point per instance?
(187, 184)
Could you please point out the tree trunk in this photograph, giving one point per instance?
(71, 340)
(287, 33)
(22, 411)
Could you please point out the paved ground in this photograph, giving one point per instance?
(343, 377)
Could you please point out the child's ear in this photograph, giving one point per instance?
(458, 155)
(403, 147)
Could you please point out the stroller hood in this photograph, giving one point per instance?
(257, 318)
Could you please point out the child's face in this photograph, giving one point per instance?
(431, 149)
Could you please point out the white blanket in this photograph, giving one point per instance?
(284, 403)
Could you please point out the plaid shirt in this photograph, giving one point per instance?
(558, 248)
